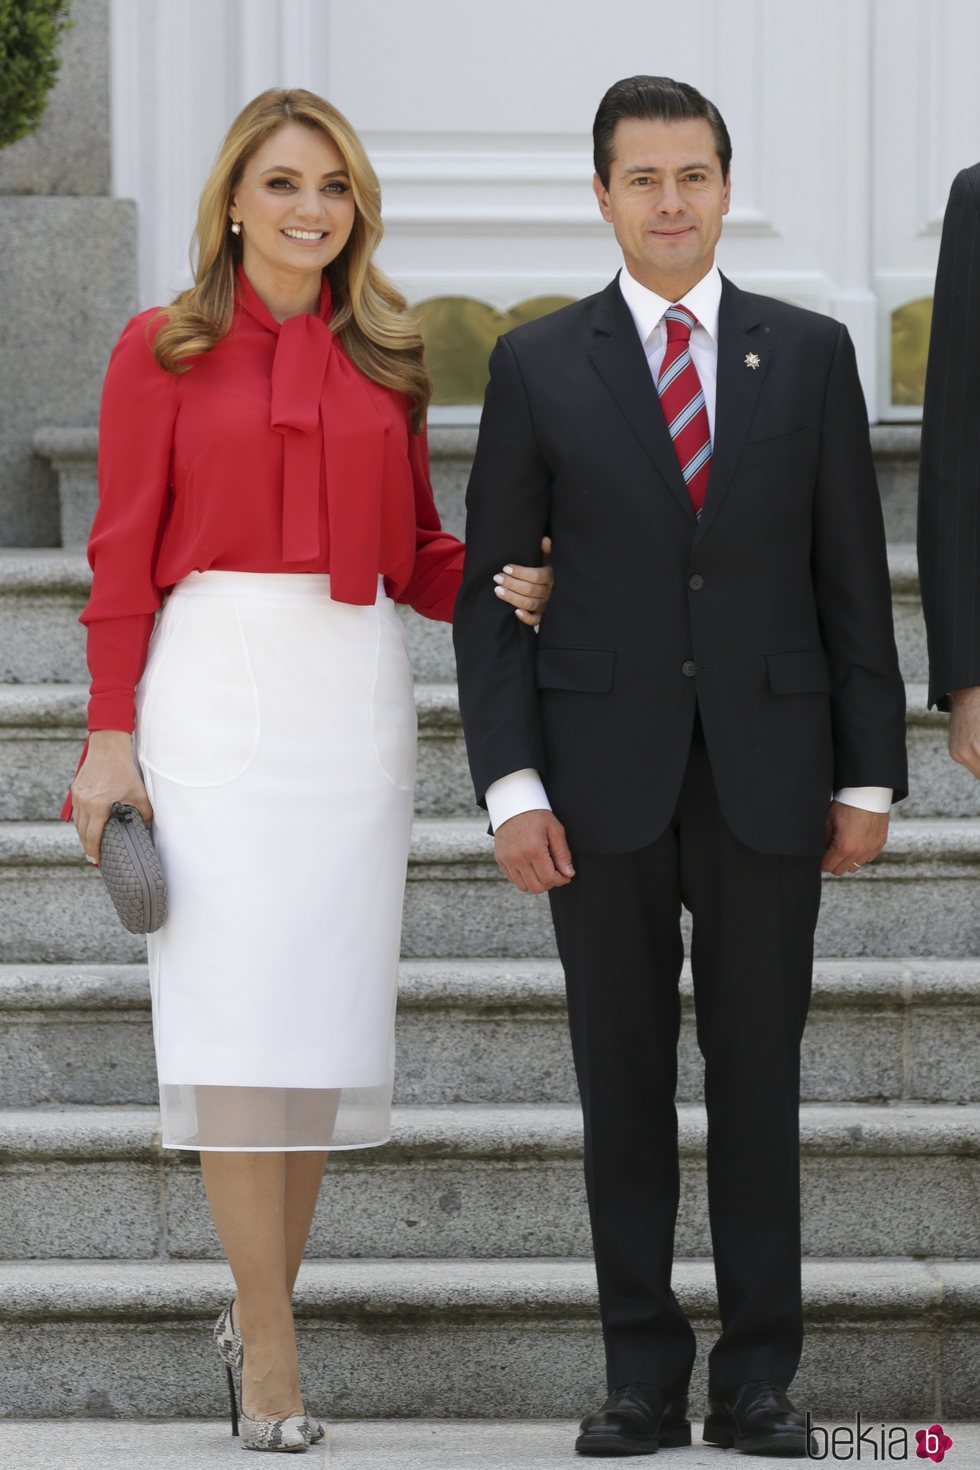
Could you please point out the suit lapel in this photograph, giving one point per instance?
(618, 357)
(739, 385)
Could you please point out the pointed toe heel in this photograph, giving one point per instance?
(291, 1434)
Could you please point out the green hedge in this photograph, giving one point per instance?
(29, 34)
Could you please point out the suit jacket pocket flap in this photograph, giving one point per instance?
(585, 670)
(799, 671)
(779, 446)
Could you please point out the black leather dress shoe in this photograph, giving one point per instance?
(757, 1419)
(637, 1419)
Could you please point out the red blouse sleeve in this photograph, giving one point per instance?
(136, 424)
(438, 569)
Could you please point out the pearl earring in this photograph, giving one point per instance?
(236, 228)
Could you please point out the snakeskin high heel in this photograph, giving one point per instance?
(228, 1341)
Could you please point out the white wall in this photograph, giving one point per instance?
(848, 120)
(926, 128)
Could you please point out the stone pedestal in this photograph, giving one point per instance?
(67, 276)
(68, 283)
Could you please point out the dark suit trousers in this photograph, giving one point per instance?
(618, 930)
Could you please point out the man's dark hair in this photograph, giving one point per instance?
(654, 99)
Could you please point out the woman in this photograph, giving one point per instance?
(262, 454)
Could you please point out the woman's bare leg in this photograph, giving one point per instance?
(304, 1173)
(247, 1195)
(310, 1114)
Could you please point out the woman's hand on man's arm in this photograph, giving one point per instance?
(528, 589)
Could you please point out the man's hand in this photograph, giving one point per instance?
(854, 837)
(532, 852)
(964, 729)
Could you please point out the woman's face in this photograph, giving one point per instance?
(294, 203)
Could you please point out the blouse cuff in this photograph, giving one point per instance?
(112, 711)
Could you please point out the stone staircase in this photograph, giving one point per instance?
(449, 1272)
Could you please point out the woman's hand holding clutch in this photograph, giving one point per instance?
(109, 773)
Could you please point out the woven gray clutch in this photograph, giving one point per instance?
(129, 864)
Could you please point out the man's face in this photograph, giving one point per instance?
(666, 200)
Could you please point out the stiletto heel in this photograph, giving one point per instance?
(293, 1433)
(234, 1405)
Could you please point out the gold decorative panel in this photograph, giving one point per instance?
(459, 335)
(910, 348)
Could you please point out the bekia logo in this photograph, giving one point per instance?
(932, 1443)
(875, 1442)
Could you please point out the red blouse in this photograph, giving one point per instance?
(272, 453)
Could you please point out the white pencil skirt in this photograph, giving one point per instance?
(276, 734)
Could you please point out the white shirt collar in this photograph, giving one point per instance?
(647, 308)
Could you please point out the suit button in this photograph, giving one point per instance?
(696, 583)
(688, 668)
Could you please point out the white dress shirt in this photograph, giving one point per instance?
(523, 791)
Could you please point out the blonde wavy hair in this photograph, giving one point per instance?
(370, 316)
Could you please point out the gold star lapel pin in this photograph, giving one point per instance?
(752, 360)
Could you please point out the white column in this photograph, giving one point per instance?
(927, 128)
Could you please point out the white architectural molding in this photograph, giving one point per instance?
(848, 119)
(534, 219)
(533, 183)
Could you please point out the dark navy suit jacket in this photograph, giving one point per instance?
(772, 615)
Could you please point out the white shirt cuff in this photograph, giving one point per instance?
(521, 791)
(868, 798)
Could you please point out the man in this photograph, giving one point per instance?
(949, 478)
(718, 658)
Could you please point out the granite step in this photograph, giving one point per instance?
(494, 1031)
(910, 628)
(416, 1444)
(436, 1338)
(482, 1183)
(938, 787)
(72, 454)
(43, 590)
(42, 728)
(918, 898)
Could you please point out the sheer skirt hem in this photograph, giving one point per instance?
(287, 1148)
(231, 1119)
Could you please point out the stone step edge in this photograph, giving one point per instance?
(504, 1132)
(457, 846)
(145, 1292)
(504, 987)
(446, 441)
(79, 444)
(31, 569)
(32, 708)
(43, 569)
(506, 1443)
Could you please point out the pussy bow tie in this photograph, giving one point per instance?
(323, 408)
(299, 372)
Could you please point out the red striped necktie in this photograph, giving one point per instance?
(682, 399)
